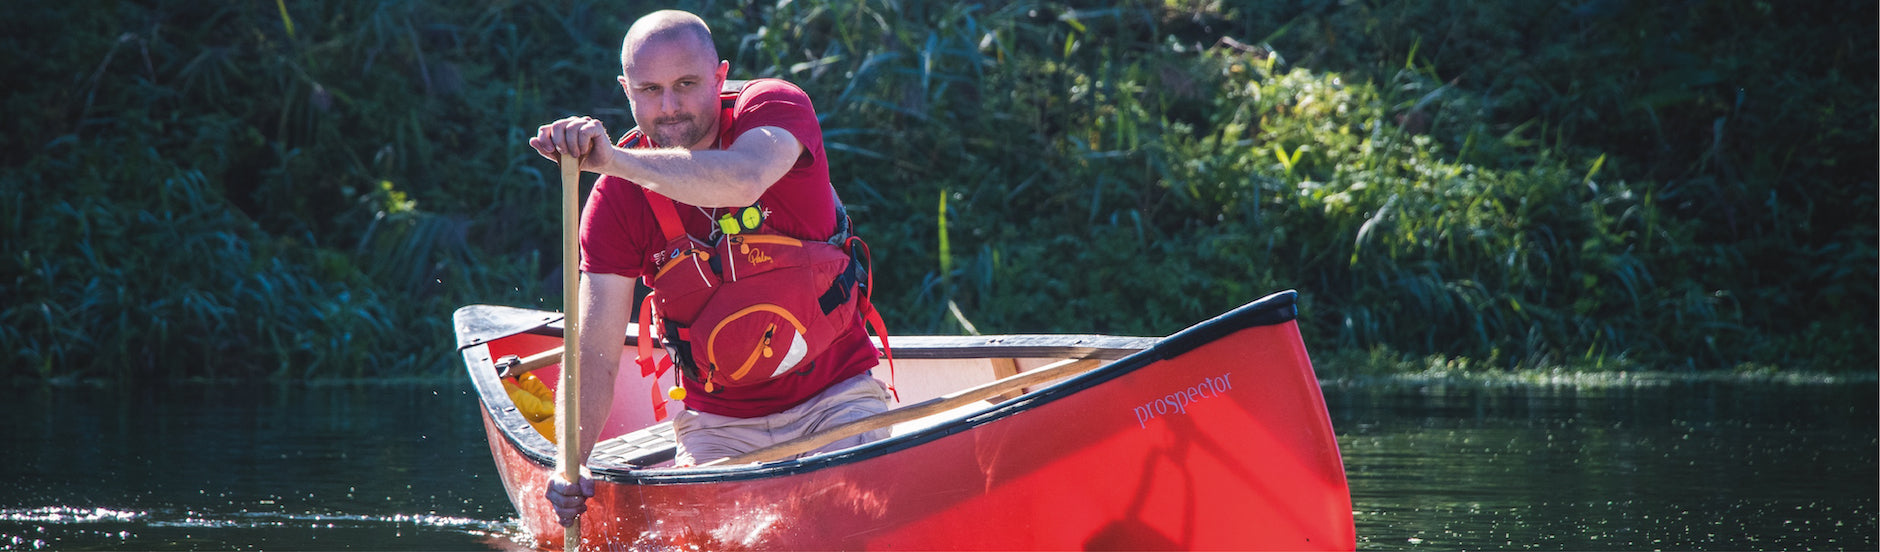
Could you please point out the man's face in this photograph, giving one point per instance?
(673, 86)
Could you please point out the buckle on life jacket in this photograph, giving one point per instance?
(680, 349)
(855, 277)
(672, 337)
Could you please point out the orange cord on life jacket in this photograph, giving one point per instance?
(867, 306)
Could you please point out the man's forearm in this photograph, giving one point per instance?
(707, 178)
(600, 364)
(732, 177)
(605, 307)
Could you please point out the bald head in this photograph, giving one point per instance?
(671, 73)
(667, 28)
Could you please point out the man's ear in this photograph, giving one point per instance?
(623, 82)
(724, 70)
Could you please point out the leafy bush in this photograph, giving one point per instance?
(307, 190)
(1135, 167)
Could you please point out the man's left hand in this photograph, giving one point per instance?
(569, 500)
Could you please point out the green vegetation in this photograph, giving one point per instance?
(306, 190)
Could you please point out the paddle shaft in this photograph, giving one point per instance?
(568, 397)
(913, 412)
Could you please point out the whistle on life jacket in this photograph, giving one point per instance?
(742, 220)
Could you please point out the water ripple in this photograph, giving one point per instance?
(55, 526)
(67, 514)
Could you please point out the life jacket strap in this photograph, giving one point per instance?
(861, 278)
(644, 343)
(667, 214)
(881, 329)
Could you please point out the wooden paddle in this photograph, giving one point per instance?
(511, 365)
(568, 397)
(936, 405)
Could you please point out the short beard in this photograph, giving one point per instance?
(691, 135)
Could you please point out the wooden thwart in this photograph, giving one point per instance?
(1004, 368)
(800, 445)
(1001, 350)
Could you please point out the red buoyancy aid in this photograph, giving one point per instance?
(755, 305)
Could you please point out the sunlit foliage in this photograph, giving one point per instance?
(202, 189)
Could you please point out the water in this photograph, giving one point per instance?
(1673, 466)
(223, 467)
(1670, 466)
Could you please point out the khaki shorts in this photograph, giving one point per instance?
(705, 437)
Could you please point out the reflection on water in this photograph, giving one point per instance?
(96, 526)
(1731, 466)
(218, 467)
(1668, 466)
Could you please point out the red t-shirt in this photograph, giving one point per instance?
(619, 236)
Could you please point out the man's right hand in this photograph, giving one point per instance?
(569, 499)
(577, 136)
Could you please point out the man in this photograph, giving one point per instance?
(767, 149)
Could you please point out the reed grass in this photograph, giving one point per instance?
(303, 191)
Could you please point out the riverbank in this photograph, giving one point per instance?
(1589, 381)
(1359, 370)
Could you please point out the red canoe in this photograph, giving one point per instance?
(1216, 437)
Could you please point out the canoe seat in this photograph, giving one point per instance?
(648, 446)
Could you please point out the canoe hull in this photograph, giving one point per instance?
(1222, 445)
